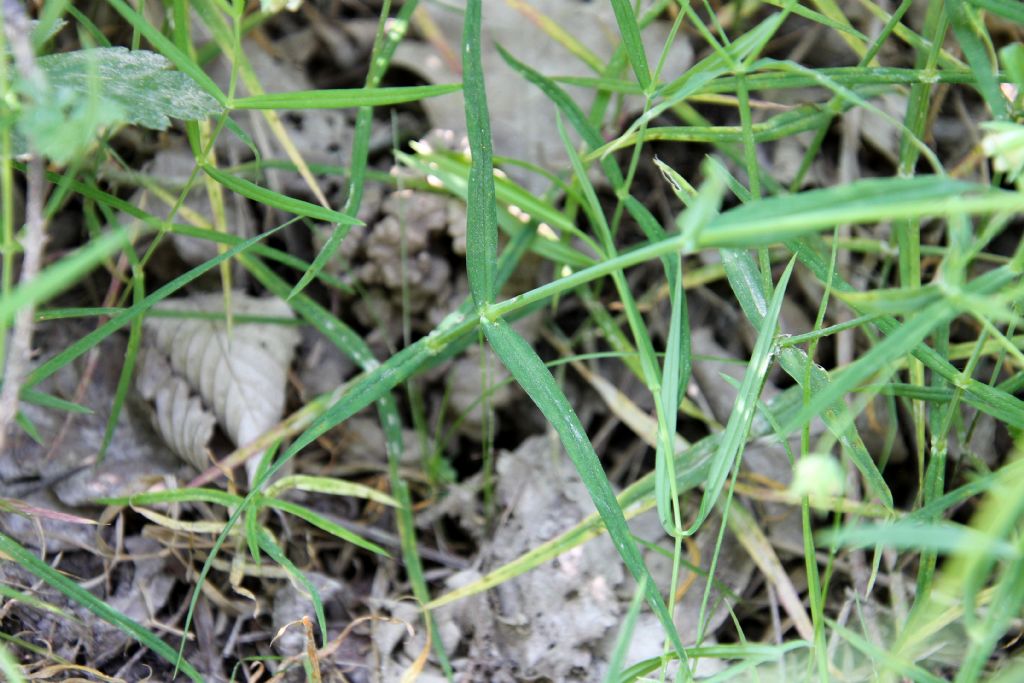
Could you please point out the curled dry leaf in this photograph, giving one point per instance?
(180, 417)
(197, 373)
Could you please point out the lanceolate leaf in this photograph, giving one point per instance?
(738, 428)
(481, 215)
(746, 284)
(533, 376)
(339, 99)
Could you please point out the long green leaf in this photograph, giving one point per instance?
(533, 376)
(118, 321)
(45, 400)
(675, 375)
(344, 98)
(28, 560)
(1010, 9)
(965, 26)
(276, 199)
(629, 29)
(325, 524)
(481, 214)
(271, 548)
(746, 285)
(738, 427)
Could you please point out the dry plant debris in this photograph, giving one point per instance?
(487, 482)
(200, 372)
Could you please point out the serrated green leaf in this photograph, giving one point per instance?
(139, 81)
(88, 90)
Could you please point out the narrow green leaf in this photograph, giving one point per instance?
(344, 98)
(629, 29)
(745, 280)
(529, 370)
(675, 375)
(323, 523)
(29, 427)
(276, 199)
(63, 274)
(271, 548)
(966, 26)
(944, 537)
(118, 321)
(481, 215)
(1008, 9)
(30, 562)
(738, 427)
(775, 219)
(892, 301)
(45, 400)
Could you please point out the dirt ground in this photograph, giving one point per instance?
(400, 275)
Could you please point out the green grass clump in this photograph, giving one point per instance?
(934, 323)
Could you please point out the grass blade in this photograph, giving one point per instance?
(738, 428)
(28, 560)
(275, 552)
(345, 97)
(529, 370)
(276, 199)
(966, 26)
(746, 284)
(481, 215)
(630, 31)
(1009, 9)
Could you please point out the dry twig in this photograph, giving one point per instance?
(18, 30)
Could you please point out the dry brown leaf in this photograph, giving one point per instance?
(240, 377)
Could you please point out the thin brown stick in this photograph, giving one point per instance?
(18, 30)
